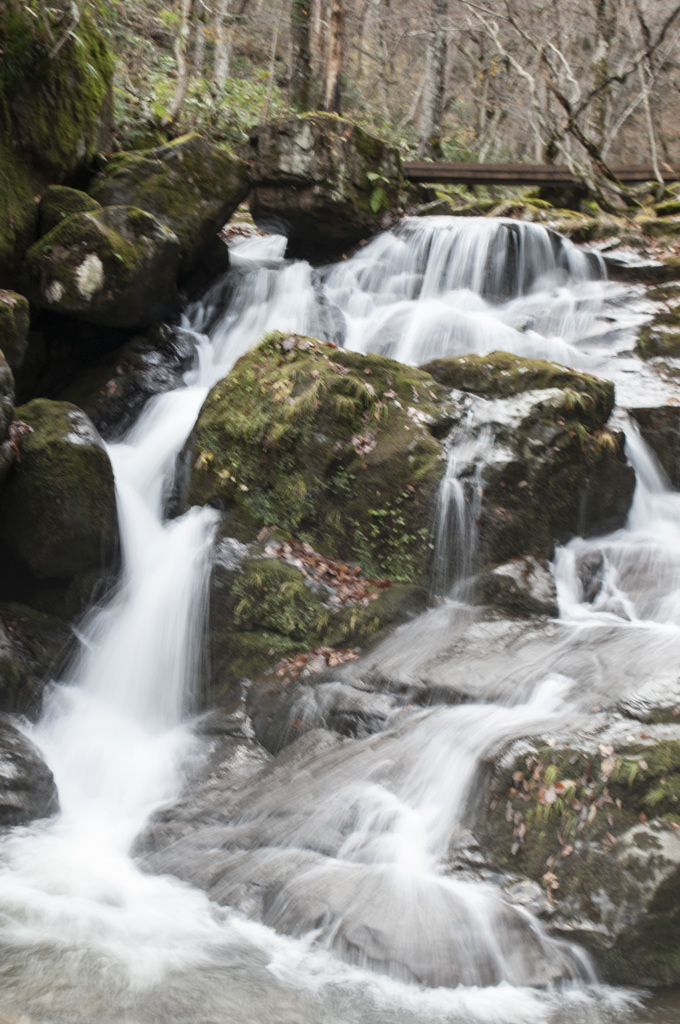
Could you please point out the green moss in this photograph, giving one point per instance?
(59, 202)
(670, 208)
(279, 443)
(502, 375)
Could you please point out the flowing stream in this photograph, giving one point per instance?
(87, 936)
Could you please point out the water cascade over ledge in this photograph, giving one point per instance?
(343, 882)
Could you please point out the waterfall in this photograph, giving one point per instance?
(374, 908)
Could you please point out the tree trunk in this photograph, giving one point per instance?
(334, 64)
(432, 109)
(183, 69)
(221, 55)
(301, 56)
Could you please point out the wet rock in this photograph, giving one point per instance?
(58, 519)
(6, 397)
(595, 823)
(115, 267)
(522, 586)
(660, 428)
(27, 787)
(321, 181)
(59, 202)
(36, 645)
(553, 470)
(114, 391)
(14, 324)
(191, 186)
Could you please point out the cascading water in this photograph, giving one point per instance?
(363, 846)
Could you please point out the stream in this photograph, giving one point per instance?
(367, 829)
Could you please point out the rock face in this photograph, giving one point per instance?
(191, 186)
(321, 181)
(58, 519)
(54, 116)
(14, 324)
(27, 788)
(115, 267)
(6, 397)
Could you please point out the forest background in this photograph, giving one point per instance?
(588, 83)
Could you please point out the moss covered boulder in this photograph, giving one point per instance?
(661, 335)
(58, 202)
(335, 447)
(552, 470)
(322, 181)
(190, 185)
(14, 324)
(596, 823)
(115, 267)
(55, 114)
(265, 608)
(58, 518)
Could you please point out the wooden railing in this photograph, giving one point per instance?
(519, 174)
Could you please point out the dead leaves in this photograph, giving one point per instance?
(346, 582)
(314, 662)
(16, 431)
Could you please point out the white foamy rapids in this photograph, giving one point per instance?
(631, 576)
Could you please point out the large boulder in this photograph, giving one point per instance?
(330, 445)
(14, 324)
(27, 787)
(116, 267)
(321, 181)
(58, 518)
(55, 114)
(190, 185)
(549, 467)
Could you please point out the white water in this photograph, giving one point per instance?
(85, 935)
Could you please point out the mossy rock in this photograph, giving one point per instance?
(32, 647)
(59, 202)
(330, 445)
(322, 181)
(55, 114)
(115, 267)
(190, 185)
(669, 208)
(556, 470)
(14, 324)
(266, 610)
(58, 518)
(661, 336)
(502, 375)
(598, 828)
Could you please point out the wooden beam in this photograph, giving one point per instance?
(518, 174)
